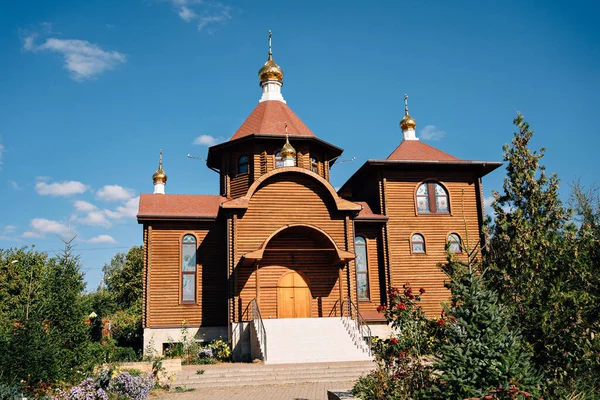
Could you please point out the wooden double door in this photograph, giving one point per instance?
(293, 296)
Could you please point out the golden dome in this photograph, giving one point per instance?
(159, 176)
(287, 151)
(407, 122)
(270, 71)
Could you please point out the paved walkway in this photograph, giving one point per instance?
(300, 391)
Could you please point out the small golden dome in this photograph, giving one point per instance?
(270, 71)
(159, 176)
(407, 122)
(287, 151)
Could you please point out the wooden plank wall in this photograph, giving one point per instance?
(164, 308)
(284, 199)
(422, 270)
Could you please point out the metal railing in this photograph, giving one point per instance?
(261, 333)
(361, 325)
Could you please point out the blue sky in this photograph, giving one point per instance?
(90, 91)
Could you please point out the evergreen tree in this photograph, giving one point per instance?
(481, 354)
(537, 265)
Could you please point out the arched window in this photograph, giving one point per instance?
(454, 244)
(314, 165)
(417, 243)
(188, 269)
(362, 268)
(243, 165)
(278, 160)
(432, 198)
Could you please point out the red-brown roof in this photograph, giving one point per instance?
(415, 150)
(270, 117)
(162, 206)
(367, 213)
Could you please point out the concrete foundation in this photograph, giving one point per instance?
(154, 338)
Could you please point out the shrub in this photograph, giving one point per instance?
(131, 387)
(88, 389)
(8, 392)
(205, 353)
(221, 350)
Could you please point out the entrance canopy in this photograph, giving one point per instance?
(297, 238)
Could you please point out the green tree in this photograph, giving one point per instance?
(534, 263)
(123, 277)
(481, 354)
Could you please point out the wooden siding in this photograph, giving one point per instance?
(421, 270)
(284, 199)
(164, 308)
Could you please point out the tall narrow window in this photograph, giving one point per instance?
(418, 243)
(432, 198)
(362, 268)
(314, 165)
(243, 165)
(278, 160)
(454, 244)
(188, 269)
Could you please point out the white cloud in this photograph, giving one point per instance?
(115, 193)
(14, 185)
(2, 237)
(65, 188)
(42, 226)
(431, 132)
(102, 239)
(487, 203)
(84, 60)
(187, 14)
(84, 206)
(6, 229)
(94, 218)
(207, 140)
(128, 210)
(216, 13)
(1, 152)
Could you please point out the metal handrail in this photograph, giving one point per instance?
(260, 328)
(361, 324)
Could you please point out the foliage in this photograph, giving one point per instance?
(124, 277)
(205, 353)
(402, 370)
(88, 389)
(131, 387)
(546, 268)
(221, 350)
(10, 392)
(126, 329)
(481, 354)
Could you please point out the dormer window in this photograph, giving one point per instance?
(314, 165)
(432, 198)
(243, 165)
(278, 160)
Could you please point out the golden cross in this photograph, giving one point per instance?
(160, 161)
(286, 131)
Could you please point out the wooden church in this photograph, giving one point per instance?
(284, 266)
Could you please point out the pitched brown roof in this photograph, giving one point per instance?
(166, 206)
(269, 117)
(415, 150)
(367, 214)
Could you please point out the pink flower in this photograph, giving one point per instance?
(402, 306)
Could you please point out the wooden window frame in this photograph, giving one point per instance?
(412, 249)
(366, 273)
(239, 164)
(432, 198)
(183, 273)
(460, 251)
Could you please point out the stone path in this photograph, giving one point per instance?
(299, 391)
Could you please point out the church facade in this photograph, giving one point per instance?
(280, 239)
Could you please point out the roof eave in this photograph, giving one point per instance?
(145, 218)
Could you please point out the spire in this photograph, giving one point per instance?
(271, 77)
(408, 124)
(159, 178)
(288, 153)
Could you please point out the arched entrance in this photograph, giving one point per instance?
(293, 296)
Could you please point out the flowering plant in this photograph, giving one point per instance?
(88, 389)
(205, 353)
(131, 387)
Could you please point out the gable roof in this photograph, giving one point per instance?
(366, 214)
(415, 150)
(270, 117)
(174, 206)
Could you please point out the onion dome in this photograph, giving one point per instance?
(270, 71)
(287, 151)
(407, 122)
(159, 176)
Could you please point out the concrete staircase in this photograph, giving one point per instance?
(240, 374)
(312, 340)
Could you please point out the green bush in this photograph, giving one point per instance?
(10, 392)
